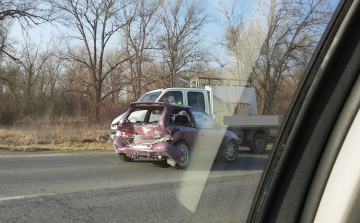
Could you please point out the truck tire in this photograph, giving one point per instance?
(125, 158)
(258, 144)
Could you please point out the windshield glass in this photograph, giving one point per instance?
(70, 67)
(149, 96)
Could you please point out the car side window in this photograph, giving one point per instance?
(180, 116)
(196, 99)
(202, 120)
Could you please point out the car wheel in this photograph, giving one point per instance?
(230, 152)
(183, 161)
(258, 144)
(125, 158)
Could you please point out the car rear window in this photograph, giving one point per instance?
(144, 115)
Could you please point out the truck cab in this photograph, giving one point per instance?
(193, 97)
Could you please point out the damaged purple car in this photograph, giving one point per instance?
(172, 132)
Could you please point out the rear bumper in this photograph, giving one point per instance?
(163, 149)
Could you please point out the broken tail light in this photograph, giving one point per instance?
(124, 134)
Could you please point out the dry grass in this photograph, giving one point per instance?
(65, 135)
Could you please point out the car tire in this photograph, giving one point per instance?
(258, 144)
(230, 152)
(125, 158)
(184, 159)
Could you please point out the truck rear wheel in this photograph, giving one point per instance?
(258, 144)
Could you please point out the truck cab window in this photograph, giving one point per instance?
(172, 97)
(196, 99)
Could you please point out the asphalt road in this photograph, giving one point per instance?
(98, 187)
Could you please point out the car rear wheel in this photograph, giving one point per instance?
(183, 161)
(125, 158)
(230, 152)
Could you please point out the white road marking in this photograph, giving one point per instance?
(47, 155)
(22, 197)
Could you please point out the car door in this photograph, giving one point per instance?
(209, 138)
(181, 126)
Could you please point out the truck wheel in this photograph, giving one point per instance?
(258, 144)
(183, 161)
(125, 158)
(230, 152)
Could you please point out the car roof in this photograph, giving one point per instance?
(150, 103)
(175, 88)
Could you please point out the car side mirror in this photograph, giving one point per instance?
(216, 126)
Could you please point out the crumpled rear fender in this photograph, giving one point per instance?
(119, 143)
(167, 148)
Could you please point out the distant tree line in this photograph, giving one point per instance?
(113, 51)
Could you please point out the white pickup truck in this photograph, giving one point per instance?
(233, 106)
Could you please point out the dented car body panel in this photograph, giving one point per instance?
(183, 133)
(135, 151)
(153, 129)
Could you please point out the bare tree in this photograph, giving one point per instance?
(9, 79)
(139, 42)
(5, 42)
(112, 83)
(242, 39)
(180, 41)
(293, 30)
(28, 12)
(9, 95)
(31, 63)
(94, 23)
(24, 81)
